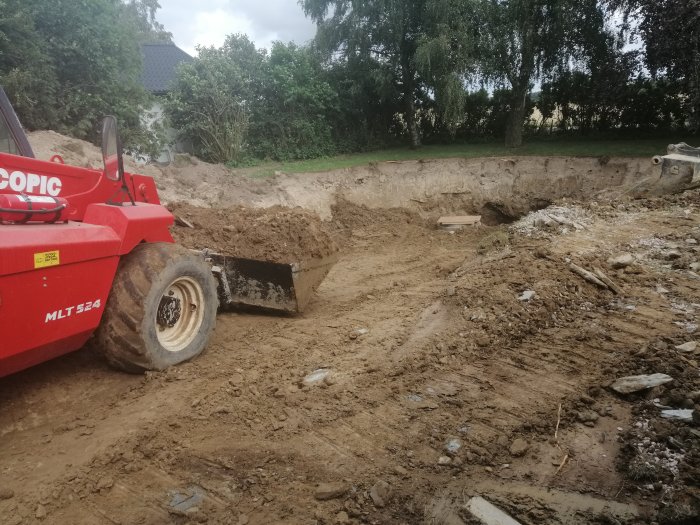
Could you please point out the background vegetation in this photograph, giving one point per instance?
(379, 74)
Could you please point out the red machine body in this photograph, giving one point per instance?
(57, 267)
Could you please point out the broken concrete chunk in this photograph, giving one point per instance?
(621, 261)
(328, 491)
(487, 513)
(681, 415)
(690, 346)
(316, 376)
(630, 384)
(527, 295)
(453, 446)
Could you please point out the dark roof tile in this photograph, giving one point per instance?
(160, 62)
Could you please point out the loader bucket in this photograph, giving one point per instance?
(281, 287)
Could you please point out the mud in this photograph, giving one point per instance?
(272, 234)
(439, 382)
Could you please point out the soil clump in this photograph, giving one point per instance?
(274, 234)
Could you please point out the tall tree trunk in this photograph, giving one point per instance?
(520, 86)
(516, 118)
(409, 84)
(411, 121)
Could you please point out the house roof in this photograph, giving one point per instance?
(160, 62)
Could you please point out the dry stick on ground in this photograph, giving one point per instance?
(607, 280)
(556, 441)
(556, 430)
(621, 487)
(588, 276)
(563, 462)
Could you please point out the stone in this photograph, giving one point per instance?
(444, 460)
(6, 494)
(342, 518)
(630, 384)
(621, 261)
(488, 513)
(328, 491)
(587, 416)
(453, 446)
(399, 470)
(381, 493)
(527, 295)
(41, 512)
(105, 483)
(672, 255)
(691, 241)
(317, 376)
(690, 346)
(519, 447)
(695, 266)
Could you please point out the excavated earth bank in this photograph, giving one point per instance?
(430, 367)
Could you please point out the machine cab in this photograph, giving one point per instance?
(12, 137)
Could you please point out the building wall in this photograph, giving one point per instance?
(154, 116)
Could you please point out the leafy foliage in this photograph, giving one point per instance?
(213, 98)
(378, 73)
(67, 63)
(670, 31)
(293, 116)
(383, 33)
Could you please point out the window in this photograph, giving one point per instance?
(7, 141)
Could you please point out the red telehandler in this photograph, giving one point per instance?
(86, 252)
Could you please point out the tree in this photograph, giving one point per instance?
(385, 32)
(521, 41)
(27, 73)
(529, 38)
(67, 63)
(446, 55)
(292, 116)
(142, 15)
(213, 97)
(670, 31)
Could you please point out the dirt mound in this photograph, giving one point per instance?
(275, 234)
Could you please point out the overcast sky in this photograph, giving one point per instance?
(207, 22)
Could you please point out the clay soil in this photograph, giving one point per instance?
(438, 383)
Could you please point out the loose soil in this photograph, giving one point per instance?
(439, 380)
(271, 234)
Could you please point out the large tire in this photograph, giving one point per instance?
(161, 310)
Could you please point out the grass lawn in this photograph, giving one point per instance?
(570, 148)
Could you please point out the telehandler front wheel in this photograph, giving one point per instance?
(161, 310)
